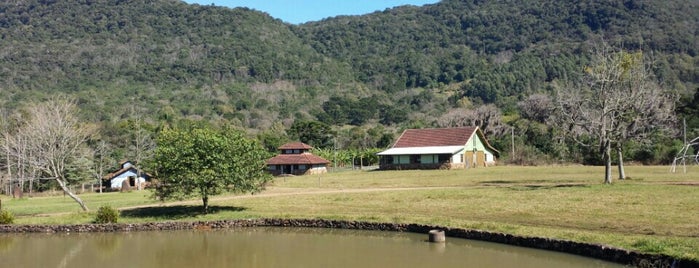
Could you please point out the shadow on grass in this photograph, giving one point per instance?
(563, 181)
(547, 186)
(498, 182)
(533, 184)
(175, 212)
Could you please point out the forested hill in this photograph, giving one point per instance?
(75, 42)
(401, 67)
(437, 43)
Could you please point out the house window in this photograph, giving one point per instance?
(443, 158)
(387, 159)
(415, 159)
(428, 159)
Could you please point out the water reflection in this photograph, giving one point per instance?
(6, 243)
(269, 247)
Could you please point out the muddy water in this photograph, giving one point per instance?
(269, 247)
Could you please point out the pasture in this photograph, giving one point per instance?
(654, 211)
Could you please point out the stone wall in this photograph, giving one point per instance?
(589, 250)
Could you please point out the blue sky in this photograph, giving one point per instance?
(300, 11)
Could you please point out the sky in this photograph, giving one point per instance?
(300, 11)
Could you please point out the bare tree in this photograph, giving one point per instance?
(142, 143)
(487, 117)
(141, 149)
(536, 107)
(5, 142)
(100, 151)
(57, 139)
(617, 101)
(18, 146)
(15, 149)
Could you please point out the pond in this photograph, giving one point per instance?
(270, 247)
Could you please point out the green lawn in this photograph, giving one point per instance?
(655, 211)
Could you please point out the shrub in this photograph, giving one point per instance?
(107, 214)
(6, 217)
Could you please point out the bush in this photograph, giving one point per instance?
(6, 217)
(107, 214)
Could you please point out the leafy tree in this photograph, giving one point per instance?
(688, 108)
(390, 115)
(272, 138)
(336, 110)
(207, 162)
(313, 133)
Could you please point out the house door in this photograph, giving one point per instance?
(480, 158)
(286, 169)
(469, 159)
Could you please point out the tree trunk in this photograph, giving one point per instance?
(622, 173)
(9, 167)
(205, 200)
(607, 163)
(71, 194)
(20, 174)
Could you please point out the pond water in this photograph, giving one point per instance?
(269, 247)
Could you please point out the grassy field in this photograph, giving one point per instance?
(654, 211)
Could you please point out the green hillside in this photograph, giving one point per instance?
(493, 42)
(164, 54)
(366, 76)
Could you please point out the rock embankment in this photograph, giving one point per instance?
(584, 249)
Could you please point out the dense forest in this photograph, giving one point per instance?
(348, 82)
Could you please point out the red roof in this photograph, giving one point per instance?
(115, 174)
(295, 145)
(435, 137)
(297, 159)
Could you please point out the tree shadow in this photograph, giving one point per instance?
(534, 184)
(175, 212)
(546, 186)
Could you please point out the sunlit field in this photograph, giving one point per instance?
(654, 211)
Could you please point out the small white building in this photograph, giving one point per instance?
(127, 172)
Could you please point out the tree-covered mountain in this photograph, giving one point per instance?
(531, 41)
(164, 60)
(153, 41)
(194, 60)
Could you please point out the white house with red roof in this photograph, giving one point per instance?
(295, 159)
(439, 148)
(127, 172)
